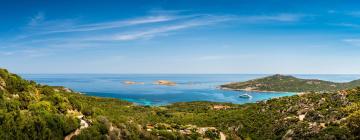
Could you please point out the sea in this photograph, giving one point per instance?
(189, 87)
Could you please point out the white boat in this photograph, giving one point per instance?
(245, 96)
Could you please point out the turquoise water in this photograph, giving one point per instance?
(188, 88)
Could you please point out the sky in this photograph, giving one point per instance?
(180, 36)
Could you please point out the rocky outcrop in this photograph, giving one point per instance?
(165, 82)
(2, 84)
(221, 107)
(83, 125)
(62, 89)
(133, 83)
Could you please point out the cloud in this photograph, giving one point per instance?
(224, 57)
(72, 32)
(351, 25)
(352, 41)
(283, 17)
(157, 31)
(154, 32)
(7, 53)
(39, 26)
(163, 29)
(27, 52)
(213, 57)
(105, 25)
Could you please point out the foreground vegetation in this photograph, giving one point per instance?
(283, 83)
(32, 111)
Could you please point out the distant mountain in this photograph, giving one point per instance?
(39, 112)
(285, 83)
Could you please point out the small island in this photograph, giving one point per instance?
(133, 83)
(286, 83)
(165, 82)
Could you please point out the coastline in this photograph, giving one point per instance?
(252, 90)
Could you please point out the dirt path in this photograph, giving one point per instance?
(222, 136)
(83, 124)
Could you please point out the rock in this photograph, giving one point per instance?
(67, 90)
(62, 89)
(322, 125)
(15, 95)
(149, 126)
(221, 107)
(2, 84)
(132, 83)
(301, 117)
(202, 130)
(165, 82)
(249, 88)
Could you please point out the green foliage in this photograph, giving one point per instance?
(284, 83)
(353, 123)
(47, 90)
(42, 106)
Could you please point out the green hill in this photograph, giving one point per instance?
(285, 83)
(32, 111)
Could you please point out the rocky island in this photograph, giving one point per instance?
(286, 83)
(133, 83)
(165, 82)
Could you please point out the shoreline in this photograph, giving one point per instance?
(248, 90)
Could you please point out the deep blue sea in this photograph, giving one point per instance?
(197, 87)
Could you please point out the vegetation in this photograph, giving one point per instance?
(32, 111)
(284, 83)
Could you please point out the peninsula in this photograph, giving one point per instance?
(286, 83)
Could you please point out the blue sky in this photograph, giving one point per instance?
(169, 36)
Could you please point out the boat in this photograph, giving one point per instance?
(245, 96)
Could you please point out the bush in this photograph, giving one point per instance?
(353, 122)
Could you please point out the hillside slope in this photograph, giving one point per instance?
(32, 111)
(283, 83)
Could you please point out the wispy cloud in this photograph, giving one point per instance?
(65, 33)
(350, 25)
(217, 57)
(204, 21)
(352, 41)
(69, 26)
(153, 32)
(39, 26)
(151, 29)
(213, 57)
(30, 53)
(283, 17)
(7, 53)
